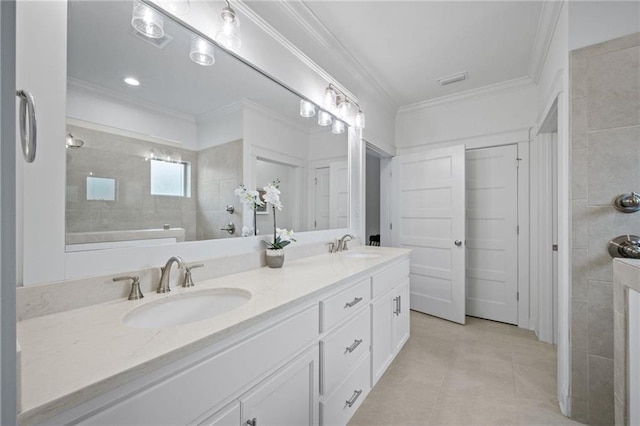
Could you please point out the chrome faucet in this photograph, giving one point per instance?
(163, 287)
(342, 242)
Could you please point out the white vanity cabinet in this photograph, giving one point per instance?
(313, 363)
(390, 316)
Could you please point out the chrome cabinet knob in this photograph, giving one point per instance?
(458, 243)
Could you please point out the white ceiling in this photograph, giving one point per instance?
(404, 46)
(102, 50)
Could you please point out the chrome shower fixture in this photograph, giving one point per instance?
(627, 203)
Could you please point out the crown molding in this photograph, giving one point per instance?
(305, 19)
(254, 106)
(241, 6)
(547, 24)
(219, 112)
(503, 87)
(82, 86)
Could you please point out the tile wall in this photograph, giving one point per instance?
(605, 159)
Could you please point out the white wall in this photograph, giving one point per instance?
(219, 129)
(174, 127)
(324, 145)
(592, 22)
(503, 109)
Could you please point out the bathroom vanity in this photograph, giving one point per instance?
(306, 348)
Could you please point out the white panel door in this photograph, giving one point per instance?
(492, 239)
(321, 207)
(339, 194)
(428, 216)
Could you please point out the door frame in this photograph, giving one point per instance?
(556, 108)
(385, 192)
(522, 138)
(8, 268)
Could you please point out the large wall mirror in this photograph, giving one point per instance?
(161, 131)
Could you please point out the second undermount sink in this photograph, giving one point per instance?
(186, 308)
(361, 254)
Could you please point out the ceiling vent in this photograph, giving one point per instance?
(160, 43)
(453, 78)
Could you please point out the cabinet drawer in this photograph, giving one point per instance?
(341, 350)
(340, 406)
(335, 309)
(385, 280)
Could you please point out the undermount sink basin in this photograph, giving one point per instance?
(186, 308)
(361, 254)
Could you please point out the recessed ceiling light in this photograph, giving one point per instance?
(131, 81)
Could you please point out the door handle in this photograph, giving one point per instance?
(458, 243)
(28, 135)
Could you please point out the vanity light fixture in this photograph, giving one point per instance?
(72, 142)
(131, 81)
(147, 21)
(324, 118)
(359, 121)
(228, 33)
(201, 51)
(338, 127)
(177, 7)
(307, 109)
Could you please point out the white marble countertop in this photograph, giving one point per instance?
(70, 357)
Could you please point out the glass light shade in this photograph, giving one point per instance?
(330, 99)
(307, 109)
(360, 120)
(228, 33)
(147, 21)
(324, 118)
(177, 7)
(338, 127)
(344, 108)
(201, 51)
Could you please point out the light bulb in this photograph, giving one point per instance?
(344, 108)
(360, 120)
(338, 127)
(307, 109)
(330, 98)
(228, 33)
(201, 51)
(146, 21)
(324, 118)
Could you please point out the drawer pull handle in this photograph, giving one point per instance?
(353, 302)
(396, 305)
(354, 398)
(252, 422)
(353, 347)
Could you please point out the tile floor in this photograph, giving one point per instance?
(481, 373)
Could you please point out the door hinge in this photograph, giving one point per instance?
(315, 223)
(315, 180)
(518, 162)
(518, 296)
(517, 229)
(554, 247)
(390, 225)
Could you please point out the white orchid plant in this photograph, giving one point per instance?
(251, 199)
(281, 237)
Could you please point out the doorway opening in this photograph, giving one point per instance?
(377, 199)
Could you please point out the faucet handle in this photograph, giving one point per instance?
(188, 280)
(135, 293)
(332, 246)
